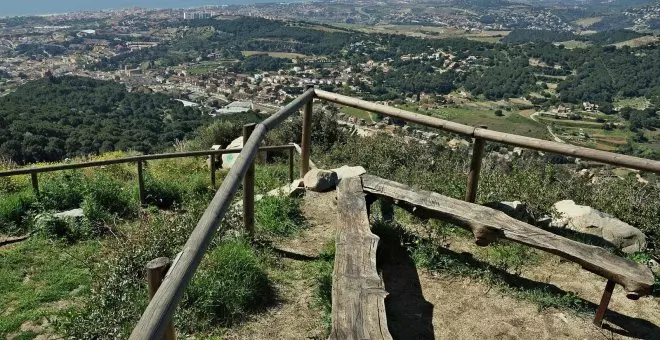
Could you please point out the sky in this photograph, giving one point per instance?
(36, 7)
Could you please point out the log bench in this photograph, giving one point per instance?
(358, 293)
(488, 225)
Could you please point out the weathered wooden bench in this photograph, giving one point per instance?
(488, 225)
(358, 293)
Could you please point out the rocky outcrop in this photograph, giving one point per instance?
(588, 220)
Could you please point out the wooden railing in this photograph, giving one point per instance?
(139, 160)
(158, 314)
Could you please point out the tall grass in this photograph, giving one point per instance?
(230, 284)
(279, 216)
(14, 211)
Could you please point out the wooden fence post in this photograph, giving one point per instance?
(248, 187)
(291, 151)
(35, 183)
(212, 165)
(141, 183)
(306, 135)
(475, 168)
(156, 271)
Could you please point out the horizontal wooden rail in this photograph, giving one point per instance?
(495, 136)
(27, 171)
(159, 312)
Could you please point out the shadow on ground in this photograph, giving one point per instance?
(409, 315)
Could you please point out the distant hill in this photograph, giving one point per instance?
(53, 118)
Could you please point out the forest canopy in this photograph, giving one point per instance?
(53, 118)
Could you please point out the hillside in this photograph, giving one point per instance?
(54, 118)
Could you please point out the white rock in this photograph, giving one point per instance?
(320, 180)
(229, 158)
(290, 190)
(589, 220)
(349, 171)
(75, 213)
(655, 267)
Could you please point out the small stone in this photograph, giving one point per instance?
(655, 267)
(320, 180)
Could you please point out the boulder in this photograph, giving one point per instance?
(515, 209)
(349, 171)
(320, 180)
(591, 221)
(229, 158)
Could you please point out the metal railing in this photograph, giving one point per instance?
(158, 314)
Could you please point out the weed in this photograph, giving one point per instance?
(323, 280)
(106, 198)
(161, 193)
(509, 256)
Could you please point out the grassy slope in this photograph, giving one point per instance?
(44, 278)
(40, 278)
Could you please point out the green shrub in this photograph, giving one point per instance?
(63, 191)
(105, 198)
(230, 284)
(14, 209)
(118, 295)
(280, 216)
(162, 193)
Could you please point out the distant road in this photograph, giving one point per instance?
(552, 133)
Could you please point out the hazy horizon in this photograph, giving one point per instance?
(43, 7)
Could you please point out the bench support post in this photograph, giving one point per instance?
(604, 302)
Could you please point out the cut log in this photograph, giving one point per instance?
(358, 293)
(488, 224)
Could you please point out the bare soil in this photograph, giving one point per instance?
(469, 309)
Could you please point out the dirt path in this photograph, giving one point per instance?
(296, 316)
